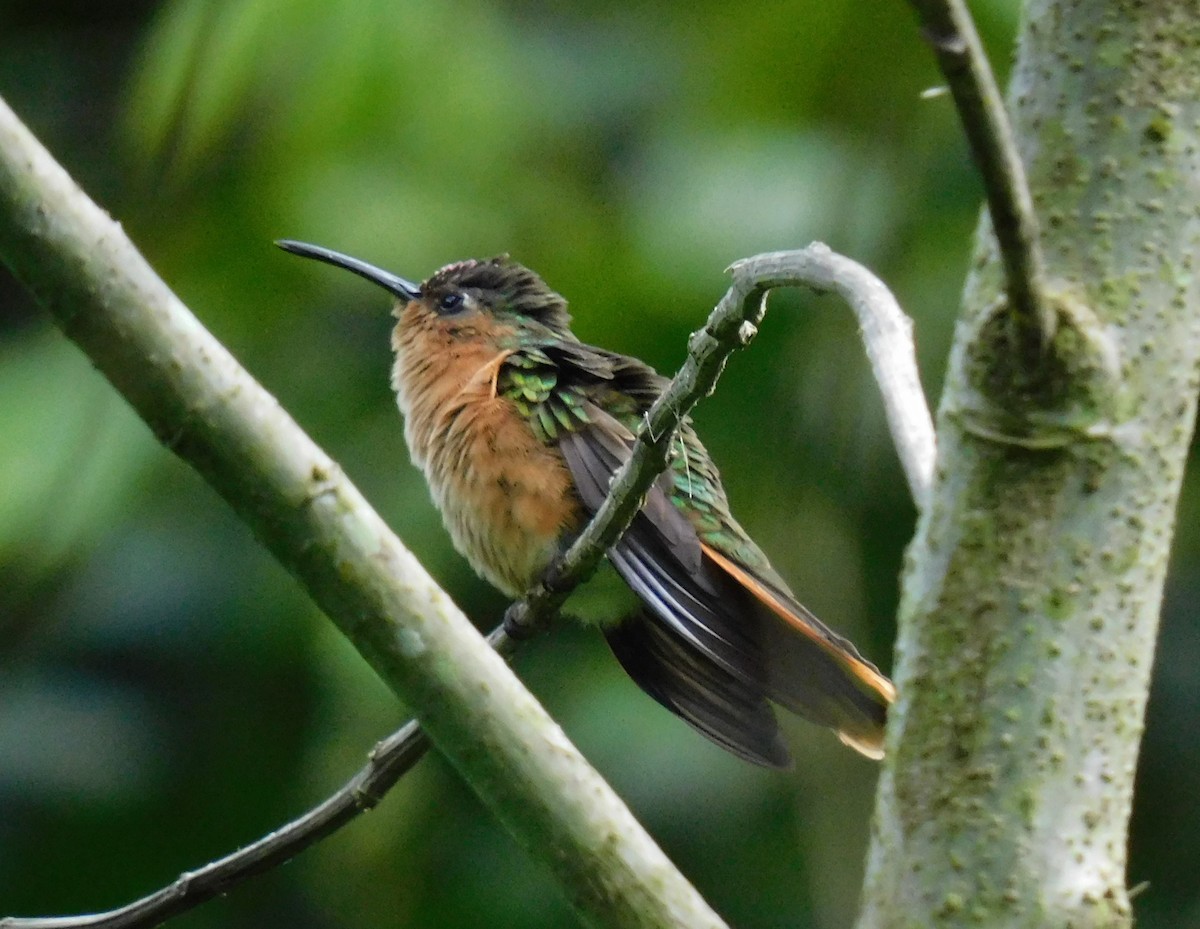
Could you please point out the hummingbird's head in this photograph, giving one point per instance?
(467, 299)
(499, 288)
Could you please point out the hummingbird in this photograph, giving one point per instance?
(519, 427)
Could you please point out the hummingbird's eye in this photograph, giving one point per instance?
(451, 303)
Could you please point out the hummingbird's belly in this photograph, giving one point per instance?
(506, 498)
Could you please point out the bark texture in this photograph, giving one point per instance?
(1032, 592)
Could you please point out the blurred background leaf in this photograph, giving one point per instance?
(166, 692)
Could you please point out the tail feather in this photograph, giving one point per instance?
(718, 639)
(720, 706)
(818, 674)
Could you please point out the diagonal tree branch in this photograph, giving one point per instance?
(199, 435)
(950, 31)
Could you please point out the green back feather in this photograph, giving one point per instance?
(551, 383)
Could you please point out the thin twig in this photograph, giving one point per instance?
(708, 349)
(389, 760)
(948, 27)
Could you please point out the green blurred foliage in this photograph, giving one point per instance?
(167, 693)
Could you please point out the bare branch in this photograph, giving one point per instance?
(887, 334)
(948, 28)
(888, 339)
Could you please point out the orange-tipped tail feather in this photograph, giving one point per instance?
(857, 711)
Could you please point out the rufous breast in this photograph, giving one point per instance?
(506, 498)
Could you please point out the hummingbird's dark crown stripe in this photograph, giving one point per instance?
(507, 286)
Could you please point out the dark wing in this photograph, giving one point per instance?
(721, 633)
(682, 650)
(720, 706)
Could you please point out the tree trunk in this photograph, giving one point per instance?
(1032, 592)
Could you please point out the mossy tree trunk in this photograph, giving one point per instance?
(1032, 593)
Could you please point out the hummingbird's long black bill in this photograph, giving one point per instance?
(393, 283)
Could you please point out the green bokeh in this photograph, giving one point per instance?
(167, 693)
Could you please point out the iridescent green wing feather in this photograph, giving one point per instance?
(547, 399)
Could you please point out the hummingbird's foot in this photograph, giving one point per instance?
(518, 623)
